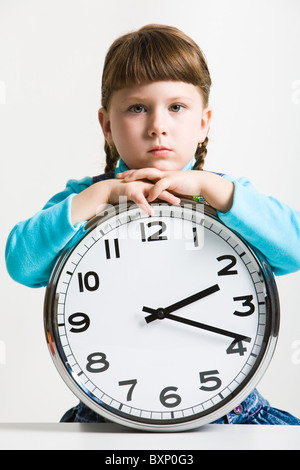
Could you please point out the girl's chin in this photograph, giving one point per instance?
(164, 166)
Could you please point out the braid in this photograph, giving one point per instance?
(200, 154)
(112, 157)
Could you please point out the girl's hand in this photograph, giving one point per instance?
(217, 191)
(95, 198)
(185, 183)
(138, 191)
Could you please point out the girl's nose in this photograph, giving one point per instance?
(157, 125)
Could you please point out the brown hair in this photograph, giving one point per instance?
(154, 53)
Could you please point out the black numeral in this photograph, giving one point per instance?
(116, 247)
(132, 384)
(156, 236)
(210, 376)
(195, 237)
(246, 302)
(97, 362)
(80, 321)
(227, 270)
(90, 281)
(165, 396)
(237, 347)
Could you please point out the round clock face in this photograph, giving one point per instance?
(164, 322)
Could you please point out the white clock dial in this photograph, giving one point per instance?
(161, 322)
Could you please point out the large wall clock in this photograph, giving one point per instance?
(161, 323)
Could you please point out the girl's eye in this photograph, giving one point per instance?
(137, 109)
(176, 108)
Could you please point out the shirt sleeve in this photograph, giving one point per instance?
(268, 225)
(34, 245)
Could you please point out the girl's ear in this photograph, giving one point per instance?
(104, 120)
(205, 123)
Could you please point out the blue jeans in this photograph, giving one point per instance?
(254, 410)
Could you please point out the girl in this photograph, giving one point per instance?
(155, 117)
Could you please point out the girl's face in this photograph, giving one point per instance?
(157, 125)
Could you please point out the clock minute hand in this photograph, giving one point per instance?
(155, 314)
(237, 337)
(160, 313)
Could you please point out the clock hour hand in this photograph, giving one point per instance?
(155, 314)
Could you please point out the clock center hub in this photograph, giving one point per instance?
(160, 313)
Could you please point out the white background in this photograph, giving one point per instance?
(51, 57)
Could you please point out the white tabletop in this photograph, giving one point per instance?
(110, 436)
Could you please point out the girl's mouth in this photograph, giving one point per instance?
(160, 151)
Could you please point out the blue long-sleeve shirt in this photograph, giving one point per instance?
(34, 245)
